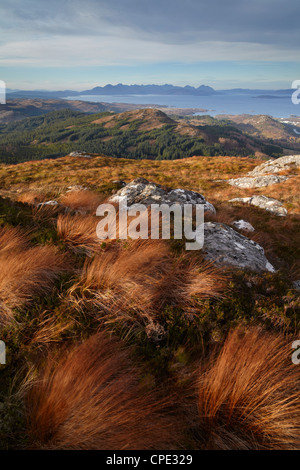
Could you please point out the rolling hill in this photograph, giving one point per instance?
(270, 130)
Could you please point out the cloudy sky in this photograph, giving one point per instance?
(77, 44)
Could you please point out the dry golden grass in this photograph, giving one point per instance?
(31, 197)
(46, 213)
(25, 272)
(93, 399)
(192, 279)
(295, 270)
(12, 239)
(189, 173)
(83, 201)
(79, 231)
(248, 396)
(136, 280)
(50, 329)
(127, 276)
(206, 175)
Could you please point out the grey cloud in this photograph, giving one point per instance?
(171, 21)
(115, 31)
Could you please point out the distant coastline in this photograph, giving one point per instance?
(212, 104)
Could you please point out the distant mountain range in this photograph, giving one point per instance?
(120, 89)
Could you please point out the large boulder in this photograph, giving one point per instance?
(264, 202)
(223, 245)
(274, 166)
(257, 181)
(141, 191)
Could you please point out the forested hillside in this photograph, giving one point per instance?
(147, 133)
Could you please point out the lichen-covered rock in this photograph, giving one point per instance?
(257, 181)
(223, 245)
(79, 154)
(274, 166)
(243, 225)
(264, 202)
(141, 191)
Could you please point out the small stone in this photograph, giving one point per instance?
(243, 225)
(48, 203)
(296, 285)
(155, 332)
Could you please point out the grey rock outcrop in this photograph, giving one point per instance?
(79, 154)
(257, 181)
(274, 166)
(141, 191)
(264, 202)
(223, 245)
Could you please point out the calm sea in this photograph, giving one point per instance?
(280, 106)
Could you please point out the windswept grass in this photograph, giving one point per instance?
(25, 272)
(82, 201)
(12, 239)
(248, 396)
(78, 232)
(137, 280)
(93, 399)
(31, 197)
(172, 308)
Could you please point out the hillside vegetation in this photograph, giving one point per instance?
(138, 344)
(139, 134)
(270, 130)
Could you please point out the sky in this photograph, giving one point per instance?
(76, 44)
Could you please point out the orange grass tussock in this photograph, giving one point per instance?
(144, 276)
(31, 197)
(12, 239)
(82, 200)
(79, 232)
(249, 395)
(25, 271)
(93, 399)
